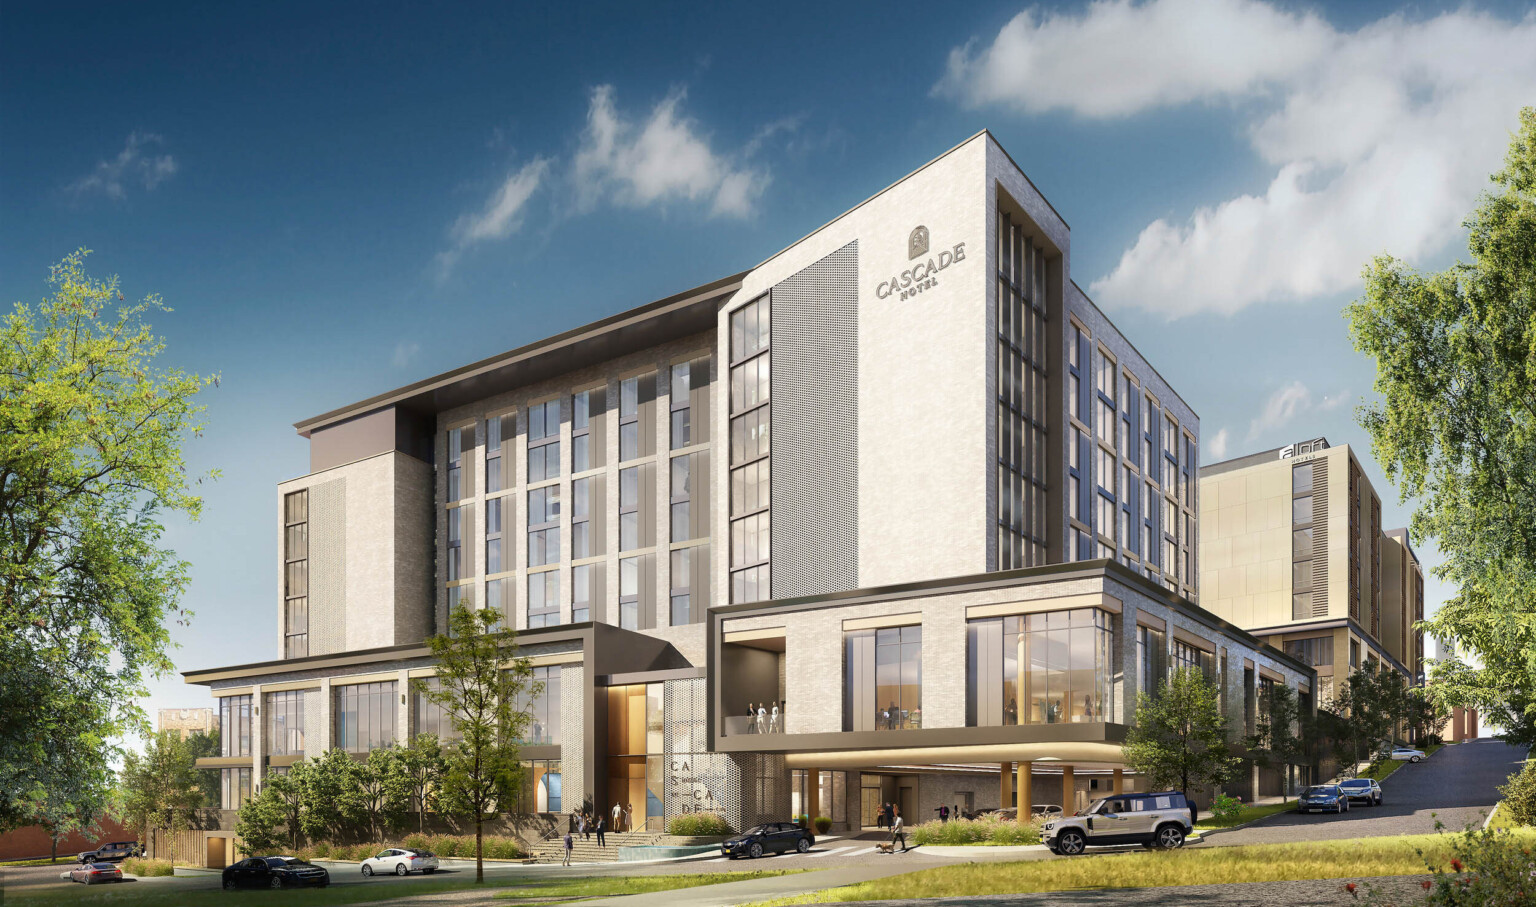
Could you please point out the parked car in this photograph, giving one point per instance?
(1364, 789)
(91, 873)
(275, 872)
(110, 853)
(770, 837)
(1323, 798)
(1405, 754)
(1154, 819)
(401, 861)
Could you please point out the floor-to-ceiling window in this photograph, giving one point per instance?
(283, 731)
(1040, 668)
(1021, 396)
(883, 679)
(365, 716)
(750, 420)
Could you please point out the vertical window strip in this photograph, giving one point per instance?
(296, 574)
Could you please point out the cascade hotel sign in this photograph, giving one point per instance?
(925, 274)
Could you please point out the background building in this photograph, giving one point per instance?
(186, 721)
(1293, 552)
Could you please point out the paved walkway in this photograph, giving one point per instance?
(1319, 893)
(732, 893)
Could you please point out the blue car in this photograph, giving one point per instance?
(1323, 798)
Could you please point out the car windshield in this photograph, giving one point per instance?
(103, 866)
(1098, 806)
(276, 862)
(758, 830)
(1318, 791)
(1358, 782)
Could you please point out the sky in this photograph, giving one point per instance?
(338, 199)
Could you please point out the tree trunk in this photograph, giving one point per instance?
(479, 848)
(53, 856)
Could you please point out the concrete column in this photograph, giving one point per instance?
(1119, 781)
(1024, 781)
(1005, 785)
(258, 746)
(813, 794)
(317, 744)
(1068, 790)
(403, 706)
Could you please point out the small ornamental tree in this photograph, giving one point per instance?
(480, 680)
(421, 771)
(330, 797)
(1275, 742)
(382, 791)
(1179, 738)
(160, 787)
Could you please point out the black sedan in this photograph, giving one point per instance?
(770, 837)
(275, 872)
(1365, 790)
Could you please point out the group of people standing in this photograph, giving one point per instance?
(764, 718)
(587, 824)
(949, 812)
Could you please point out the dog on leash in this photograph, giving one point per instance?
(885, 847)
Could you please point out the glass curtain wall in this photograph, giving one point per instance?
(235, 726)
(284, 728)
(636, 755)
(1021, 396)
(365, 716)
(750, 422)
(1041, 669)
(883, 679)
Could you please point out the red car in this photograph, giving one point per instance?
(91, 873)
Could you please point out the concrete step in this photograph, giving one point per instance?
(552, 850)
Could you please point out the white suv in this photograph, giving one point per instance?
(1154, 820)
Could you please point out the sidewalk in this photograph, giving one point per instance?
(731, 893)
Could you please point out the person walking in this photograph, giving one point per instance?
(599, 829)
(618, 816)
(880, 816)
(898, 829)
(629, 817)
(569, 846)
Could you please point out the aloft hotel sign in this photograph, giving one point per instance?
(925, 274)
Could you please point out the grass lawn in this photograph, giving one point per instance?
(59, 862)
(1248, 814)
(180, 892)
(1356, 859)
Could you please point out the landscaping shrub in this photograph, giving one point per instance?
(1225, 809)
(144, 868)
(987, 829)
(1519, 805)
(1487, 868)
(823, 825)
(698, 825)
(458, 846)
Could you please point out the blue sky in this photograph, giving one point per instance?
(339, 200)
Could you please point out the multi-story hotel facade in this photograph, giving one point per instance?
(1292, 550)
(901, 490)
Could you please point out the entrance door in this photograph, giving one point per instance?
(906, 800)
(869, 806)
(217, 857)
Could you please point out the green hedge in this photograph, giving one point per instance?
(698, 825)
(143, 868)
(823, 825)
(988, 829)
(1519, 804)
(458, 846)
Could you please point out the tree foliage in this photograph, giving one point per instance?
(159, 787)
(1179, 738)
(91, 428)
(1276, 741)
(421, 769)
(1455, 428)
(480, 681)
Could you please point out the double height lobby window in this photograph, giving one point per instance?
(1040, 668)
(883, 679)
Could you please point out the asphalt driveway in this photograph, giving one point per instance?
(1458, 786)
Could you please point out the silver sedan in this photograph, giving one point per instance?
(400, 861)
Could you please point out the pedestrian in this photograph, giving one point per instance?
(898, 830)
(773, 720)
(957, 813)
(618, 815)
(581, 826)
(880, 816)
(943, 814)
(762, 719)
(569, 846)
(599, 830)
(751, 717)
(629, 817)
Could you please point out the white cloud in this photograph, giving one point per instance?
(659, 160)
(405, 351)
(1282, 407)
(1380, 138)
(499, 217)
(1216, 445)
(136, 164)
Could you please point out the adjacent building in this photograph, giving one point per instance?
(896, 516)
(1293, 551)
(186, 722)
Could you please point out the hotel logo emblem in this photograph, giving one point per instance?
(917, 243)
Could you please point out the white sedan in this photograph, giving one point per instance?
(1406, 754)
(400, 861)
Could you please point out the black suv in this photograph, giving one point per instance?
(115, 852)
(770, 837)
(1161, 819)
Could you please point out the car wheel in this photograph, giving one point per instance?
(229, 884)
(1415, 759)
(400, 869)
(1070, 843)
(1170, 837)
(802, 845)
(367, 870)
(756, 850)
(276, 884)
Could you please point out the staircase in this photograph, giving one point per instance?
(552, 850)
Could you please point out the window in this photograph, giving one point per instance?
(1040, 668)
(1149, 659)
(587, 430)
(236, 787)
(365, 716)
(636, 593)
(432, 718)
(496, 599)
(683, 611)
(637, 492)
(235, 726)
(1316, 651)
(1354, 653)
(283, 731)
(581, 519)
(637, 397)
(544, 526)
(493, 454)
(581, 593)
(883, 679)
(456, 489)
(544, 599)
(750, 386)
(296, 574)
(543, 441)
(543, 707)
(689, 381)
(455, 544)
(1305, 584)
(493, 536)
(1190, 657)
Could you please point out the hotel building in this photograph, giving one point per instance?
(1292, 550)
(902, 486)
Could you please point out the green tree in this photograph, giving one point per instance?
(382, 791)
(1179, 737)
(421, 772)
(263, 818)
(160, 787)
(1276, 741)
(331, 804)
(1455, 429)
(91, 428)
(206, 745)
(1370, 705)
(480, 678)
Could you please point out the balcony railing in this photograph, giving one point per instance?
(742, 725)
